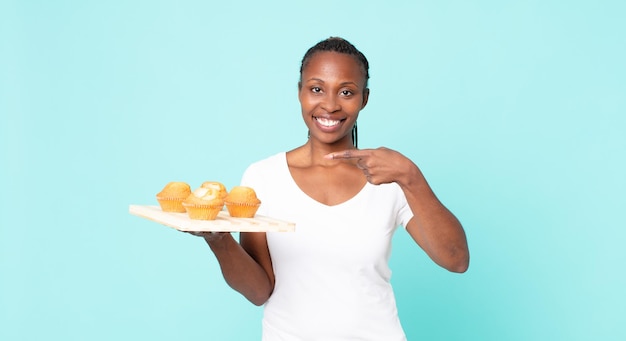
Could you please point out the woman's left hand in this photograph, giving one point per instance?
(381, 165)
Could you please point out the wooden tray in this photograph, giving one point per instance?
(223, 223)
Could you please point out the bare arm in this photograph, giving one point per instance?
(246, 265)
(433, 227)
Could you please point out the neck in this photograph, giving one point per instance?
(315, 150)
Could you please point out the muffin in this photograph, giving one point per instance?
(216, 186)
(242, 202)
(171, 197)
(203, 204)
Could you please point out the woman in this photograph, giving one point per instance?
(329, 280)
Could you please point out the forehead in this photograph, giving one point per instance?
(334, 63)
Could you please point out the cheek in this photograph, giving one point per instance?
(305, 106)
(307, 102)
(353, 106)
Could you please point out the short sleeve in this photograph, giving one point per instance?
(404, 211)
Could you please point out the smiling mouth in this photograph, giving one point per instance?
(327, 122)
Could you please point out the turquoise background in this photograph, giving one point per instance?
(514, 111)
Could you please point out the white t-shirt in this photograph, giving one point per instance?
(332, 273)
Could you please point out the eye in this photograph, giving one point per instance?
(346, 93)
(316, 89)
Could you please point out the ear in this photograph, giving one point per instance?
(366, 96)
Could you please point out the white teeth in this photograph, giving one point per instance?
(326, 122)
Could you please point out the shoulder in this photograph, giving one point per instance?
(262, 169)
(391, 189)
(267, 163)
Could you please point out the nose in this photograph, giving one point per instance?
(330, 103)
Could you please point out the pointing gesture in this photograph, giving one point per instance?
(433, 226)
(381, 165)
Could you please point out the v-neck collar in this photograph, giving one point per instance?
(300, 191)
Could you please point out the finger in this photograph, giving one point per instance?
(348, 154)
(203, 233)
(360, 165)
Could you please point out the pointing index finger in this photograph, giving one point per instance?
(347, 154)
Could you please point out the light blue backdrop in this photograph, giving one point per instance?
(514, 110)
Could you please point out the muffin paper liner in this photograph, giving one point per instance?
(171, 204)
(241, 210)
(202, 212)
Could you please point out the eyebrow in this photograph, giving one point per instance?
(342, 84)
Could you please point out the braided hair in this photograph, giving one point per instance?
(339, 45)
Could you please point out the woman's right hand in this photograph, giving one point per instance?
(209, 237)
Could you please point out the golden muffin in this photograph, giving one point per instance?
(203, 204)
(242, 202)
(221, 189)
(172, 195)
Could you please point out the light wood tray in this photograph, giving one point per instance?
(223, 223)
